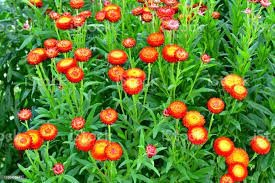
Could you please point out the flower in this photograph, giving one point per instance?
(193, 119)
(247, 11)
(58, 168)
(116, 73)
(117, 57)
(22, 141)
(223, 146)
(132, 85)
(165, 112)
(48, 131)
(74, 74)
(64, 22)
(113, 15)
(215, 105)
(52, 52)
(100, 16)
(78, 123)
(37, 140)
(34, 58)
(226, 178)
(129, 43)
(78, 21)
(37, 3)
(230, 80)
(165, 12)
(151, 150)
(177, 109)
(147, 16)
(85, 13)
(197, 135)
(41, 52)
(24, 114)
(134, 73)
(54, 15)
(76, 4)
(63, 65)
(238, 172)
(181, 54)
(238, 156)
(260, 145)
(137, 11)
(205, 58)
(26, 25)
(265, 3)
(148, 54)
(50, 43)
(238, 92)
(82, 54)
(113, 151)
(155, 39)
(64, 46)
(171, 24)
(85, 141)
(98, 150)
(108, 116)
(168, 52)
(216, 15)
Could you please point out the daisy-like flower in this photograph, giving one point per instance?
(85, 13)
(50, 43)
(229, 81)
(216, 15)
(227, 178)
(129, 43)
(171, 24)
(238, 172)
(113, 15)
(265, 3)
(132, 85)
(74, 74)
(77, 4)
(64, 46)
(223, 146)
(37, 3)
(181, 54)
(64, 22)
(197, 135)
(85, 141)
(147, 16)
(48, 131)
(193, 119)
(54, 15)
(41, 52)
(113, 151)
(58, 169)
(205, 58)
(156, 39)
(177, 109)
(108, 116)
(52, 52)
(34, 58)
(100, 16)
(215, 105)
(151, 150)
(24, 114)
(98, 150)
(148, 54)
(165, 12)
(116, 73)
(63, 65)
(82, 54)
(168, 52)
(78, 123)
(117, 57)
(260, 145)
(37, 140)
(134, 73)
(137, 11)
(238, 156)
(78, 21)
(22, 141)
(247, 11)
(238, 92)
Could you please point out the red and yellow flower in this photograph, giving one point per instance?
(37, 140)
(155, 39)
(260, 145)
(78, 123)
(113, 15)
(193, 119)
(238, 171)
(78, 21)
(197, 135)
(134, 73)
(64, 46)
(22, 141)
(227, 178)
(108, 116)
(223, 146)
(238, 92)
(82, 54)
(85, 141)
(64, 22)
(63, 65)
(215, 105)
(48, 131)
(132, 85)
(168, 52)
(116, 73)
(100, 16)
(58, 168)
(24, 114)
(50, 43)
(98, 150)
(76, 4)
(74, 74)
(117, 57)
(37, 3)
(229, 81)
(148, 54)
(52, 52)
(238, 156)
(181, 54)
(113, 151)
(129, 43)
(177, 109)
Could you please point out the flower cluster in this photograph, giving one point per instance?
(110, 12)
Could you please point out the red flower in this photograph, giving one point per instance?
(78, 123)
(197, 135)
(129, 43)
(216, 15)
(155, 39)
(168, 52)
(113, 151)
(113, 15)
(64, 46)
(37, 140)
(74, 74)
(260, 145)
(148, 54)
(63, 65)
(147, 16)
(115, 73)
(24, 114)
(58, 169)
(205, 58)
(37, 3)
(48, 131)
(177, 109)
(226, 178)
(34, 58)
(85, 13)
(64, 22)
(78, 21)
(215, 105)
(181, 54)
(76, 4)
(82, 54)
(238, 92)
(137, 11)
(193, 119)
(52, 52)
(229, 81)
(238, 156)
(98, 150)
(134, 73)
(22, 141)
(100, 16)
(165, 12)
(50, 43)
(41, 52)
(132, 86)
(151, 150)
(238, 172)
(223, 146)
(108, 116)
(117, 57)
(54, 15)
(85, 141)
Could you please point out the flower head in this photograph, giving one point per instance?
(63, 65)
(113, 151)
(177, 109)
(215, 105)
(223, 146)
(108, 116)
(117, 57)
(58, 169)
(24, 114)
(238, 156)
(132, 85)
(116, 73)
(98, 150)
(75, 74)
(238, 171)
(156, 39)
(129, 43)
(37, 140)
(134, 73)
(168, 52)
(85, 141)
(227, 178)
(64, 46)
(197, 135)
(48, 131)
(193, 119)
(151, 150)
(22, 141)
(238, 92)
(82, 54)
(229, 81)
(78, 123)
(148, 54)
(260, 145)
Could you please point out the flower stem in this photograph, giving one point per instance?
(195, 80)
(210, 125)
(120, 98)
(148, 83)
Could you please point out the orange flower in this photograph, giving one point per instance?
(215, 105)
(74, 74)
(230, 80)
(193, 119)
(24, 114)
(41, 52)
(98, 150)
(76, 4)
(129, 43)
(54, 15)
(137, 11)
(115, 73)
(34, 58)
(48, 131)
(205, 58)
(168, 52)
(113, 15)
(50, 43)
(85, 141)
(132, 86)
(52, 52)
(63, 65)
(177, 109)
(22, 141)
(181, 54)
(82, 54)
(78, 123)
(78, 20)
(223, 146)
(216, 15)
(111, 7)
(64, 46)
(113, 151)
(100, 16)
(197, 135)
(238, 92)
(226, 178)
(117, 57)
(37, 140)
(238, 156)
(108, 116)
(37, 3)
(58, 169)
(134, 73)
(85, 13)
(148, 55)
(155, 39)
(260, 145)
(238, 171)
(147, 16)
(64, 22)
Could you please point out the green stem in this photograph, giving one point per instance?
(195, 80)
(109, 133)
(210, 125)
(148, 83)
(120, 98)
